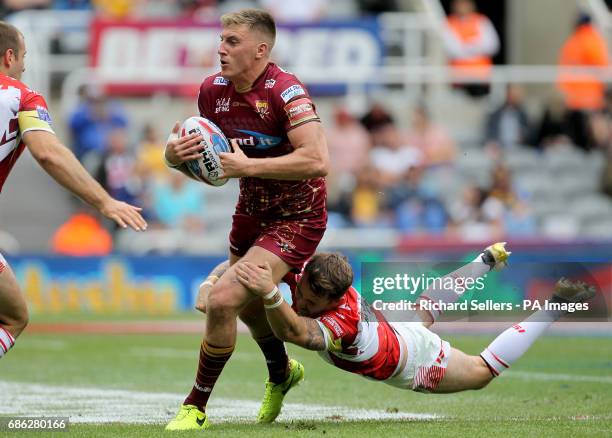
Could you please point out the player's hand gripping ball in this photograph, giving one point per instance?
(207, 168)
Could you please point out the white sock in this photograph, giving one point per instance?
(6, 341)
(475, 269)
(515, 341)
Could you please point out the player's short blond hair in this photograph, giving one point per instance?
(256, 19)
(9, 38)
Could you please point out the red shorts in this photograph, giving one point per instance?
(294, 241)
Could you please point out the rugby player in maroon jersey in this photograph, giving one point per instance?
(280, 155)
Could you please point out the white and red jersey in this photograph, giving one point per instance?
(358, 338)
(21, 110)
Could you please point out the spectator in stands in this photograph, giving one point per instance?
(90, 124)
(178, 204)
(471, 41)
(349, 144)
(585, 47)
(150, 157)
(501, 186)
(467, 220)
(414, 208)
(295, 10)
(377, 117)
(82, 235)
(584, 93)
(508, 125)
(391, 158)
(506, 206)
(117, 172)
(367, 201)
(117, 9)
(559, 126)
(435, 145)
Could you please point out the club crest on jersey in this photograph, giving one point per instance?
(270, 83)
(223, 105)
(220, 80)
(291, 92)
(261, 107)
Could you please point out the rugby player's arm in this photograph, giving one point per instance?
(288, 326)
(309, 159)
(208, 284)
(285, 323)
(59, 162)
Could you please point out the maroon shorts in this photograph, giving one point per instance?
(294, 241)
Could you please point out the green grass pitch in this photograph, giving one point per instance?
(561, 387)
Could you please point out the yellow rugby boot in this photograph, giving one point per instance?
(496, 256)
(189, 417)
(275, 393)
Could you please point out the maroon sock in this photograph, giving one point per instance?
(212, 361)
(276, 358)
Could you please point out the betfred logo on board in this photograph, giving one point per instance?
(139, 57)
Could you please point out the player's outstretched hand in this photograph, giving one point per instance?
(235, 164)
(181, 149)
(258, 279)
(124, 214)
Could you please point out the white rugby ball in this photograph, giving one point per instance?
(207, 168)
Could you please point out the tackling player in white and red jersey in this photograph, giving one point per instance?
(358, 338)
(25, 122)
(328, 315)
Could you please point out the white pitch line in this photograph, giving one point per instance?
(532, 375)
(98, 405)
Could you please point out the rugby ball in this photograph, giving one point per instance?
(207, 168)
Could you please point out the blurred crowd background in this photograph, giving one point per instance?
(449, 161)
